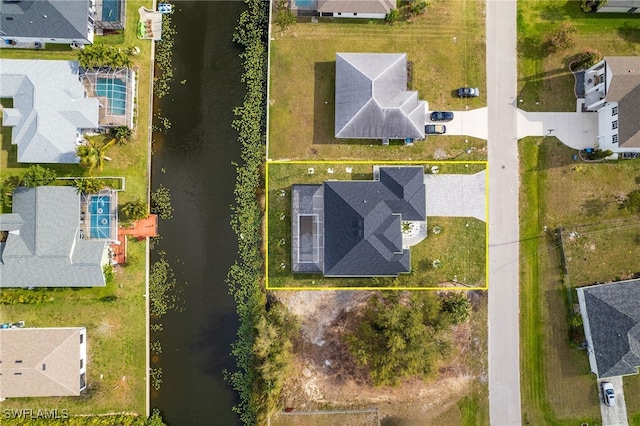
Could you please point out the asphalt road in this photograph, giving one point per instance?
(504, 352)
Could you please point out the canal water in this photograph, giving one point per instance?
(194, 160)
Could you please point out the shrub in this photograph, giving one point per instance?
(562, 37)
(392, 16)
(135, 209)
(89, 185)
(37, 175)
(458, 306)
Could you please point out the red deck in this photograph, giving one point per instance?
(140, 229)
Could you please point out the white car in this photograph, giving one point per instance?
(608, 395)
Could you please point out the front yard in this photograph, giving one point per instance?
(454, 256)
(446, 49)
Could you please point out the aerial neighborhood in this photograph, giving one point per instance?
(435, 207)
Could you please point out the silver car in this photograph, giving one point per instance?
(608, 395)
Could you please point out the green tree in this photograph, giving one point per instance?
(93, 154)
(417, 7)
(37, 175)
(632, 201)
(89, 185)
(592, 6)
(135, 209)
(392, 16)
(122, 134)
(398, 338)
(284, 18)
(7, 188)
(458, 306)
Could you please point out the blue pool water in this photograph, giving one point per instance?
(99, 210)
(116, 91)
(110, 10)
(305, 4)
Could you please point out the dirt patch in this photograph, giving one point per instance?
(324, 375)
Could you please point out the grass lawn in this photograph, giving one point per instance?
(115, 330)
(543, 76)
(557, 386)
(115, 339)
(445, 46)
(460, 246)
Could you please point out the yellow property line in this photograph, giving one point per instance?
(370, 288)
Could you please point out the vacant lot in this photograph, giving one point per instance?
(557, 385)
(445, 46)
(459, 249)
(457, 393)
(543, 74)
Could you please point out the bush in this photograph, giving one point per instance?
(632, 201)
(458, 306)
(588, 59)
(135, 209)
(592, 6)
(37, 175)
(89, 185)
(392, 16)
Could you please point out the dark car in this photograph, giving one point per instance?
(468, 92)
(441, 116)
(435, 129)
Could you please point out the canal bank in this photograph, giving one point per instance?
(194, 160)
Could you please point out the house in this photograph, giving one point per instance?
(620, 6)
(372, 100)
(611, 319)
(50, 109)
(36, 22)
(43, 362)
(44, 242)
(355, 228)
(368, 9)
(612, 90)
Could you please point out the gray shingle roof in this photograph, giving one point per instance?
(356, 6)
(49, 106)
(612, 324)
(46, 251)
(372, 100)
(49, 362)
(362, 222)
(45, 18)
(624, 88)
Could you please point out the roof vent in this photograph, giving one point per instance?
(9, 18)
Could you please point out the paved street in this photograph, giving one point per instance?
(504, 351)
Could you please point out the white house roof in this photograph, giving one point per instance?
(49, 106)
(372, 100)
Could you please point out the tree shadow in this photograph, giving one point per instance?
(630, 32)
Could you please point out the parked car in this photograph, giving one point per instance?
(608, 395)
(468, 92)
(435, 129)
(441, 116)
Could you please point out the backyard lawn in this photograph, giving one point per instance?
(458, 251)
(446, 49)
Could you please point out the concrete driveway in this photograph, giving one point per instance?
(456, 195)
(467, 123)
(578, 130)
(614, 416)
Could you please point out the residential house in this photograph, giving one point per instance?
(372, 99)
(38, 362)
(611, 318)
(354, 228)
(368, 9)
(36, 22)
(50, 109)
(612, 90)
(44, 242)
(620, 6)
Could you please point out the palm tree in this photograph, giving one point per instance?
(92, 155)
(122, 134)
(89, 185)
(135, 209)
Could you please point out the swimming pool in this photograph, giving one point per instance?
(116, 91)
(306, 4)
(100, 212)
(110, 10)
